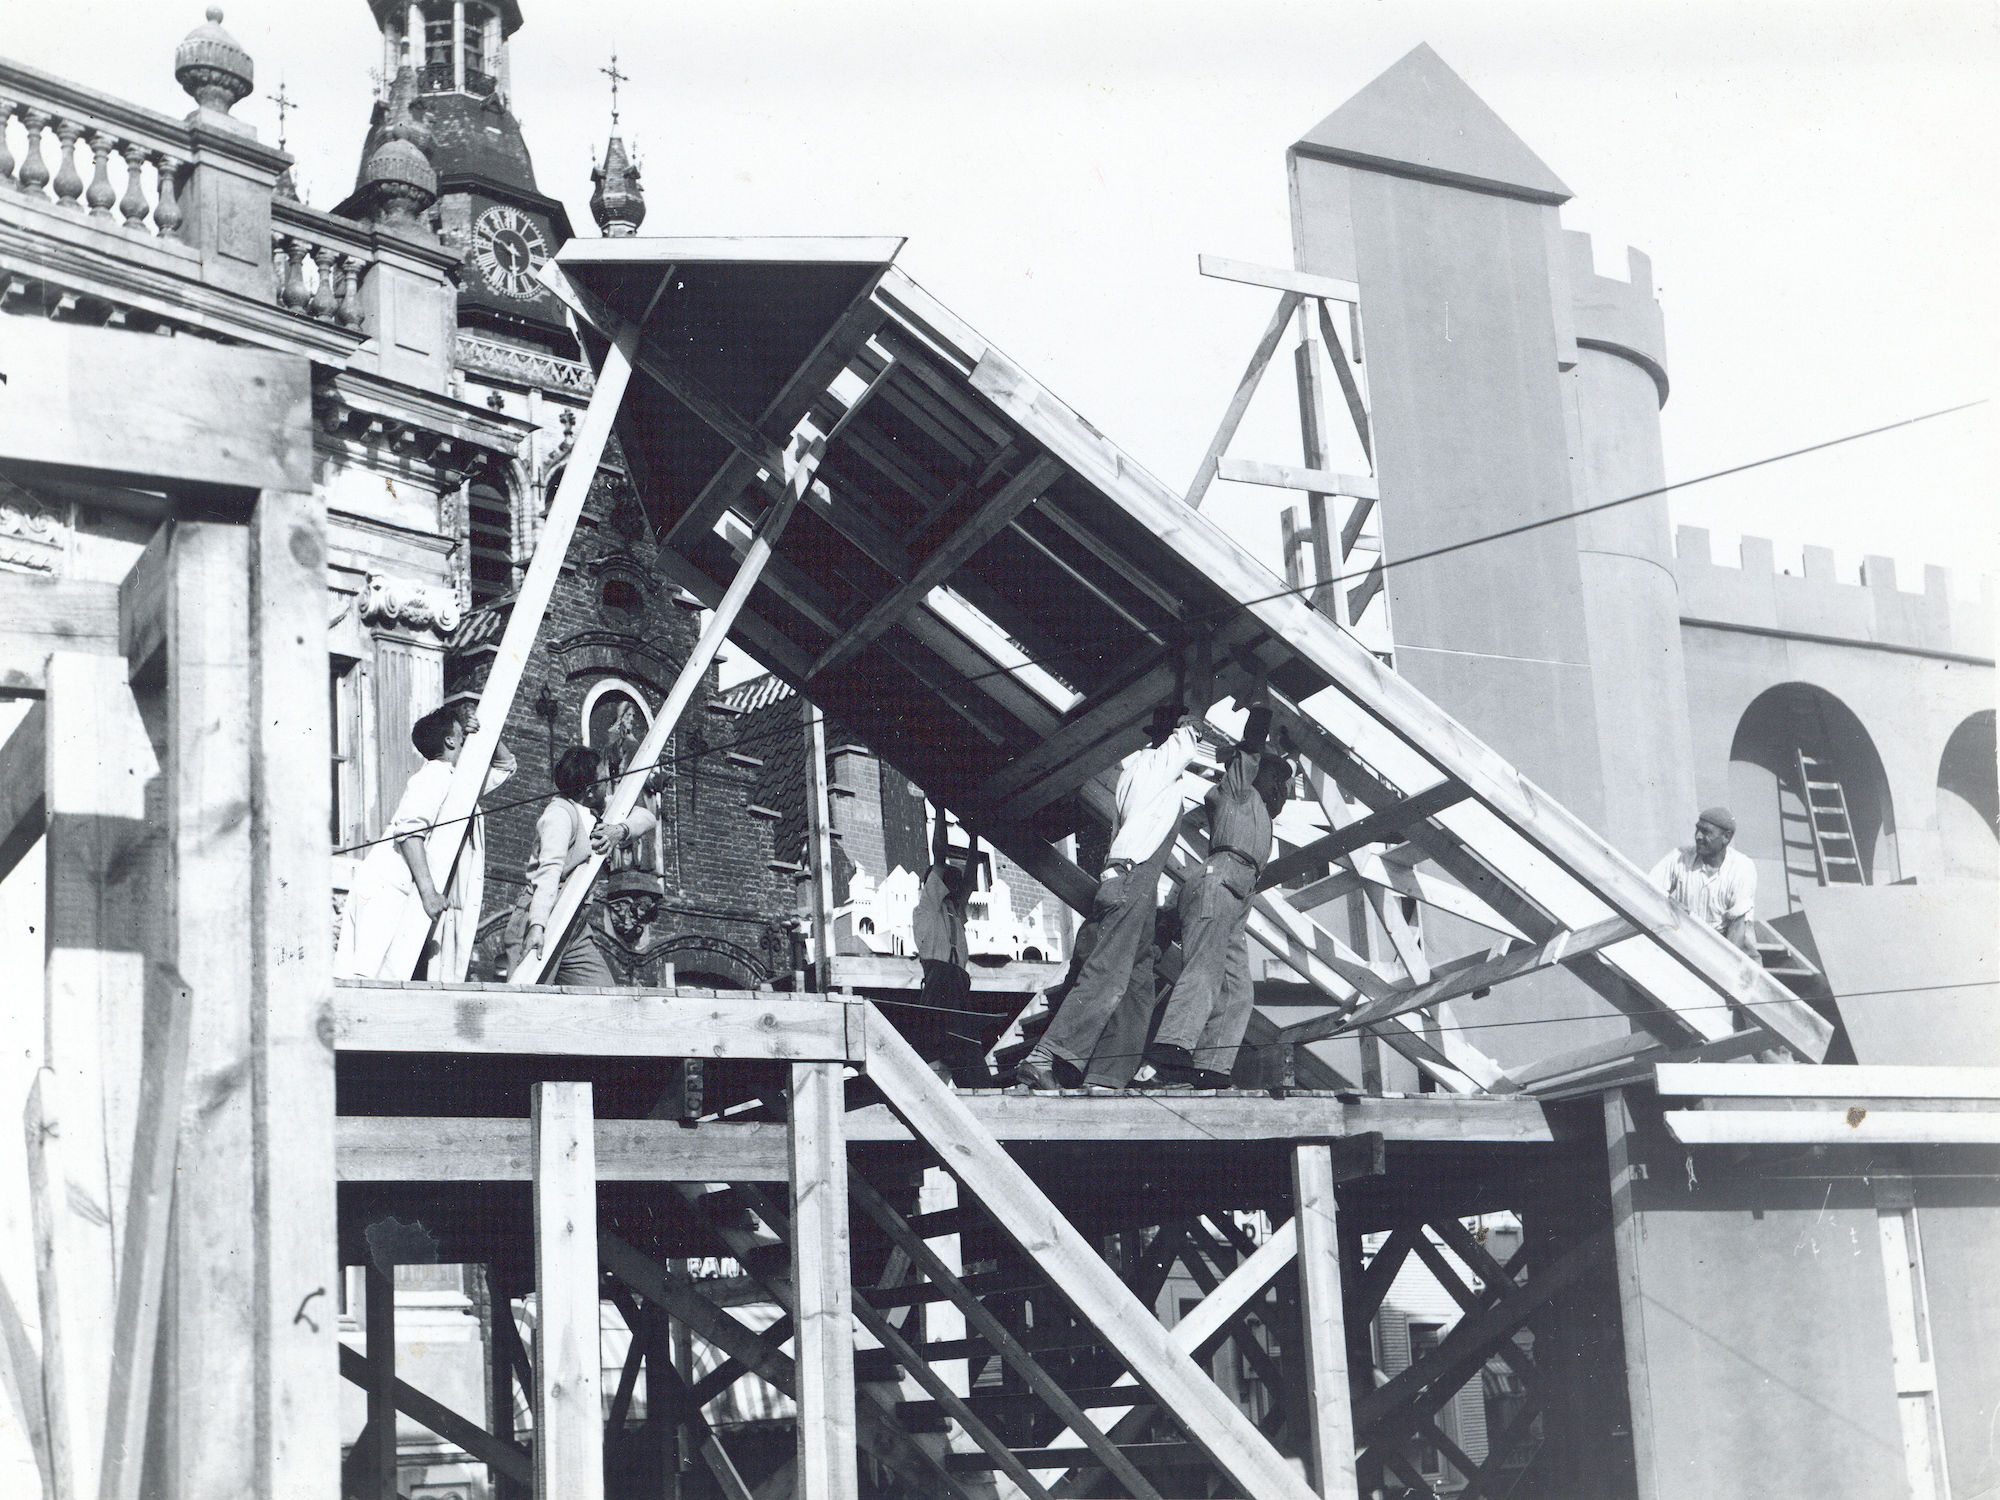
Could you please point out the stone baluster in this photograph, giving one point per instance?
(349, 313)
(167, 217)
(281, 261)
(326, 296)
(296, 294)
(99, 195)
(133, 206)
(68, 183)
(34, 171)
(6, 151)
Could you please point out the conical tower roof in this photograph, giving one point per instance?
(1419, 119)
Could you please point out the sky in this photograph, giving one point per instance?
(1813, 181)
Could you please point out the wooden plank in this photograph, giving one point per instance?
(587, 1023)
(1331, 1424)
(823, 1322)
(569, 1421)
(507, 1458)
(21, 1385)
(1239, 403)
(733, 249)
(1293, 477)
(883, 971)
(1390, 724)
(76, 1341)
(986, 522)
(938, 1117)
(819, 840)
(1469, 976)
(142, 1267)
(142, 604)
(1834, 1127)
(1086, 725)
(1826, 1081)
(39, 615)
(297, 1421)
(1377, 827)
(1396, 879)
(1280, 278)
(989, 1327)
(379, 1380)
(214, 1329)
(1350, 391)
(1626, 1061)
(524, 623)
(109, 404)
(24, 804)
(693, 677)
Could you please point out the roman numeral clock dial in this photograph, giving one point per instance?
(509, 248)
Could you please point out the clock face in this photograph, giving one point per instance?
(509, 249)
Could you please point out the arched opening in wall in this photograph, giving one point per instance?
(614, 721)
(1968, 793)
(489, 523)
(1810, 796)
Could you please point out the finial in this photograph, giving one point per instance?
(397, 179)
(286, 104)
(212, 65)
(616, 78)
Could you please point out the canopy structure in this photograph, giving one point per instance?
(989, 590)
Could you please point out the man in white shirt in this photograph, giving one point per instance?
(1712, 882)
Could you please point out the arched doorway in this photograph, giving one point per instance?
(1968, 795)
(1802, 762)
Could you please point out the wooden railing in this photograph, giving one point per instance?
(53, 132)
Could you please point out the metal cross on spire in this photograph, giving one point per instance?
(286, 104)
(616, 78)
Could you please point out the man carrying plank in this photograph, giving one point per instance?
(566, 834)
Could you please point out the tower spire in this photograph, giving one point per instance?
(616, 78)
(617, 202)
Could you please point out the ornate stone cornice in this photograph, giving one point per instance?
(528, 366)
(33, 538)
(433, 607)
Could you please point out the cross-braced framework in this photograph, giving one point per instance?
(938, 552)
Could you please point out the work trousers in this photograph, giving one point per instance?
(582, 962)
(1209, 1009)
(1119, 934)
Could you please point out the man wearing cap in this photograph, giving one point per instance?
(1712, 882)
(1209, 1008)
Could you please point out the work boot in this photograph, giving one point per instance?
(1045, 1075)
(1171, 1064)
(1101, 1090)
(1208, 1078)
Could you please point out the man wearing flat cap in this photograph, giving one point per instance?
(1711, 881)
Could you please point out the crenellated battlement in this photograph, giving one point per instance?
(1868, 609)
(1618, 317)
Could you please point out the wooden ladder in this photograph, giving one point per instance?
(1834, 848)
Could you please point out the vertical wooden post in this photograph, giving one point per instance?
(379, 1314)
(215, 1326)
(819, 844)
(1330, 1406)
(821, 1279)
(291, 1025)
(569, 1420)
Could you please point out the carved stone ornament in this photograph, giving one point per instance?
(403, 601)
(33, 538)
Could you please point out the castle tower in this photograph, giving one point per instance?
(1511, 385)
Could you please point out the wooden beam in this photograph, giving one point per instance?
(379, 1379)
(1280, 278)
(819, 840)
(1328, 1398)
(524, 624)
(1469, 976)
(76, 1336)
(297, 1417)
(882, 971)
(938, 1117)
(21, 1385)
(1088, 724)
(38, 616)
(589, 1023)
(692, 677)
(24, 804)
(142, 605)
(147, 1220)
(1623, 1061)
(106, 404)
(569, 1422)
(1292, 477)
(1857, 1126)
(507, 1458)
(1826, 1081)
(823, 1322)
(1350, 391)
(1377, 827)
(986, 522)
(1232, 416)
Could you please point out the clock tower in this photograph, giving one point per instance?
(488, 208)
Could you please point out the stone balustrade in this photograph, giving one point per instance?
(59, 142)
(318, 262)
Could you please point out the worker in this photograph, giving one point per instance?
(1713, 883)
(566, 834)
(1121, 912)
(1209, 1008)
(395, 875)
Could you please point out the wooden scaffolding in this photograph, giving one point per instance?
(937, 552)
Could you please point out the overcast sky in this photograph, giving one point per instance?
(1814, 182)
